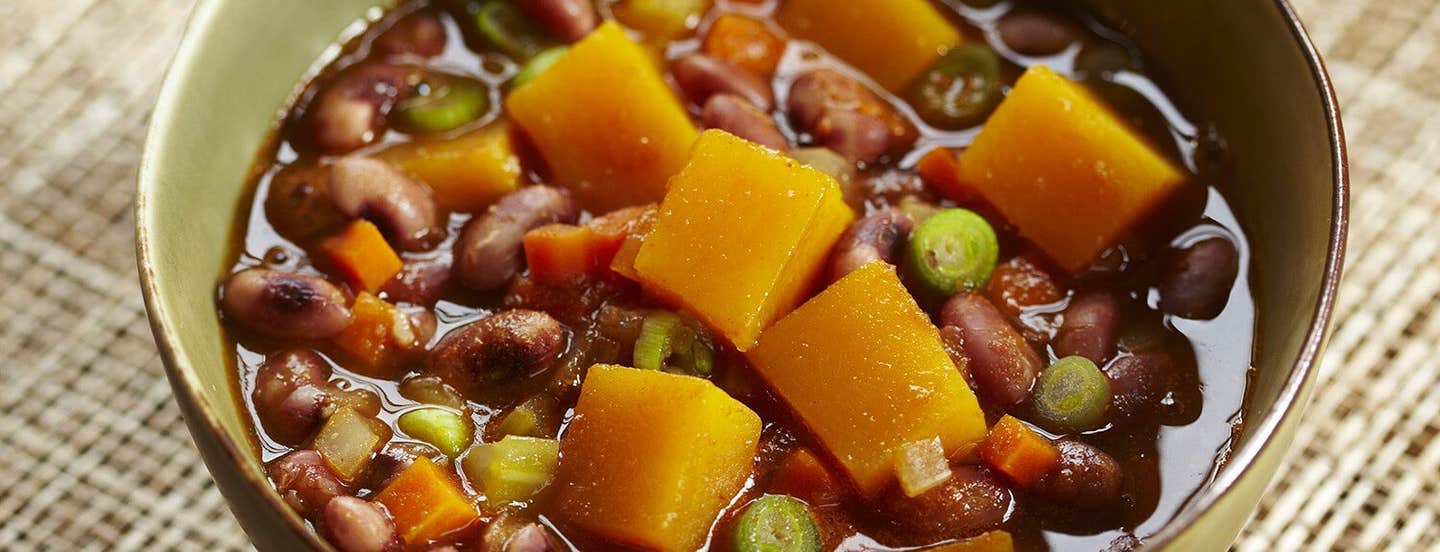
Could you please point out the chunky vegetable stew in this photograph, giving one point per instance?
(741, 275)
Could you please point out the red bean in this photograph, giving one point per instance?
(1085, 477)
(362, 186)
(356, 525)
(1037, 32)
(569, 19)
(398, 455)
(971, 502)
(531, 538)
(878, 236)
(298, 203)
(420, 34)
(1137, 383)
(284, 304)
(1002, 363)
(489, 251)
(845, 116)
(420, 281)
(1090, 328)
(1197, 279)
(504, 346)
(350, 112)
(306, 484)
(731, 114)
(701, 77)
(288, 394)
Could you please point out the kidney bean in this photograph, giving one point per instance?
(285, 304)
(1002, 364)
(288, 395)
(731, 114)
(423, 321)
(700, 77)
(356, 525)
(1090, 327)
(1037, 32)
(1085, 477)
(419, 34)
(878, 236)
(298, 203)
(306, 484)
(398, 455)
(1017, 285)
(845, 116)
(362, 401)
(489, 251)
(492, 350)
(971, 502)
(532, 537)
(420, 281)
(362, 186)
(350, 112)
(1137, 383)
(1197, 279)
(571, 20)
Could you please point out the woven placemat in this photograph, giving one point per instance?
(95, 454)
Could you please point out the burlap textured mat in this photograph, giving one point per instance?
(94, 454)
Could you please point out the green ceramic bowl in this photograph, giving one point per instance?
(1247, 65)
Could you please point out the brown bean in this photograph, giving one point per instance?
(362, 401)
(504, 346)
(1137, 384)
(855, 135)
(488, 253)
(701, 77)
(304, 482)
(878, 236)
(350, 112)
(288, 394)
(298, 204)
(363, 186)
(398, 455)
(844, 115)
(569, 19)
(731, 114)
(1197, 279)
(1085, 477)
(531, 538)
(1090, 327)
(971, 502)
(285, 304)
(419, 34)
(420, 281)
(1002, 363)
(1037, 32)
(356, 525)
(422, 321)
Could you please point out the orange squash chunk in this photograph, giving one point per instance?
(994, 541)
(893, 41)
(468, 172)
(379, 335)
(742, 235)
(744, 42)
(362, 254)
(1064, 169)
(651, 458)
(1018, 452)
(864, 368)
(425, 503)
(606, 122)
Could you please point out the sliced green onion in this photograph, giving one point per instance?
(512, 469)
(953, 251)
(774, 523)
(1072, 395)
(539, 64)
(656, 340)
(961, 89)
(447, 106)
(510, 31)
(447, 429)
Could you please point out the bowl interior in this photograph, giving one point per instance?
(1242, 65)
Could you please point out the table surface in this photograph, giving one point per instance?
(96, 455)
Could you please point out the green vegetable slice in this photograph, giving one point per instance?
(447, 429)
(665, 336)
(539, 64)
(953, 251)
(445, 106)
(961, 89)
(510, 31)
(774, 523)
(1072, 395)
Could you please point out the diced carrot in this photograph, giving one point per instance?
(940, 170)
(624, 261)
(363, 256)
(744, 42)
(378, 333)
(611, 230)
(802, 476)
(994, 541)
(426, 504)
(1017, 451)
(559, 253)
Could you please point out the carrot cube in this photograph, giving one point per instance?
(363, 255)
(378, 333)
(624, 261)
(559, 253)
(426, 503)
(893, 41)
(745, 43)
(1018, 452)
(940, 170)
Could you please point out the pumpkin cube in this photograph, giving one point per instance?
(362, 254)
(893, 41)
(378, 337)
(426, 503)
(612, 153)
(742, 236)
(651, 458)
(865, 370)
(468, 172)
(1064, 169)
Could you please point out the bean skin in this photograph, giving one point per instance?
(356, 525)
(504, 346)
(306, 484)
(351, 111)
(971, 502)
(1197, 279)
(1137, 384)
(288, 394)
(420, 34)
(878, 236)
(285, 304)
(1037, 33)
(845, 116)
(398, 455)
(1085, 477)
(1090, 328)
(531, 538)
(701, 77)
(362, 186)
(571, 20)
(1002, 364)
(420, 282)
(298, 203)
(731, 114)
(489, 251)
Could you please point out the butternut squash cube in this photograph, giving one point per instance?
(893, 41)
(864, 368)
(606, 122)
(742, 235)
(468, 172)
(651, 458)
(1064, 169)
